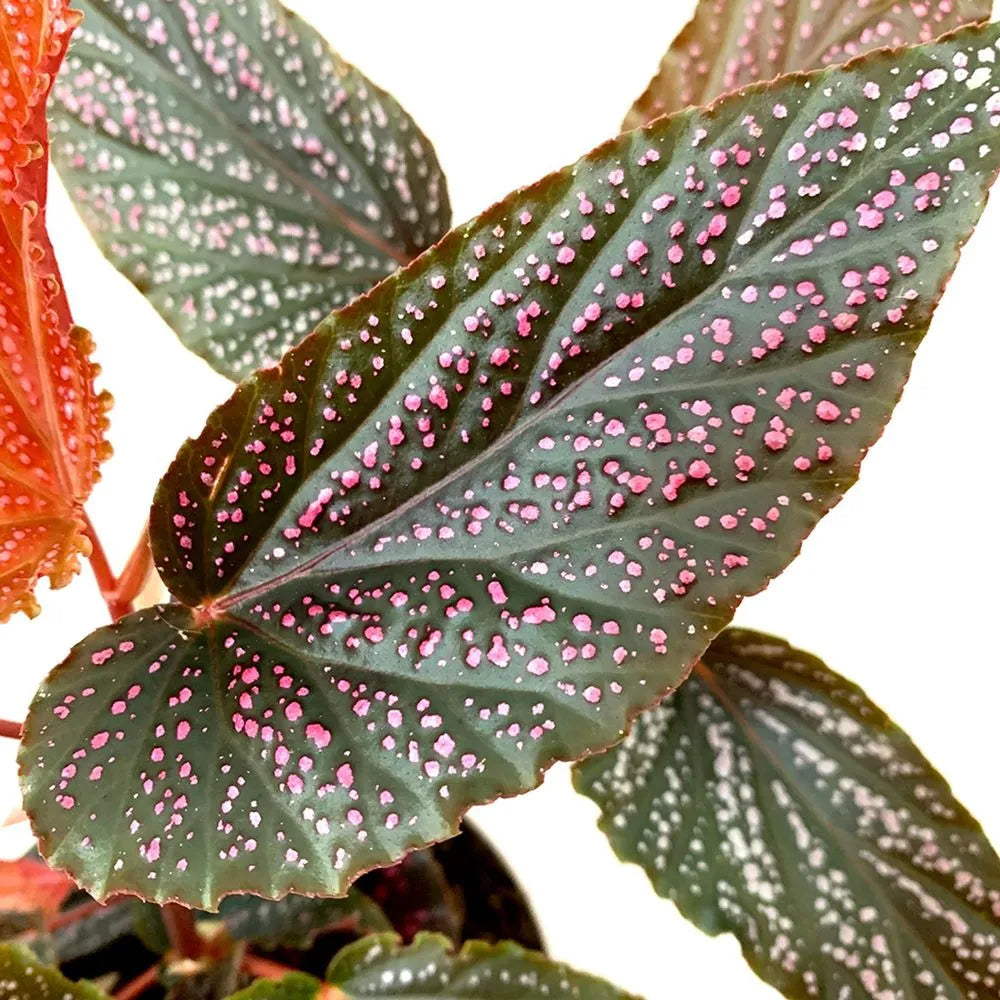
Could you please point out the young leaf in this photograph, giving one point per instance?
(296, 921)
(53, 420)
(379, 966)
(237, 171)
(415, 895)
(730, 43)
(494, 508)
(768, 797)
(24, 977)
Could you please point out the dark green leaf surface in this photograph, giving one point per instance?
(731, 43)
(379, 966)
(770, 798)
(98, 930)
(488, 512)
(236, 170)
(23, 977)
(296, 921)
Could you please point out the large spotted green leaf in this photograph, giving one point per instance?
(237, 170)
(731, 43)
(379, 966)
(487, 513)
(24, 977)
(770, 798)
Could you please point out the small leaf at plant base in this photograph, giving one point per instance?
(379, 966)
(415, 896)
(52, 438)
(491, 510)
(731, 43)
(296, 921)
(24, 977)
(237, 171)
(770, 798)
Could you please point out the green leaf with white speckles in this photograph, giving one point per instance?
(24, 977)
(487, 513)
(770, 798)
(731, 43)
(379, 966)
(236, 170)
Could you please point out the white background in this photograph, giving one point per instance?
(897, 589)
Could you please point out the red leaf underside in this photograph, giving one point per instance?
(51, 418)
(731, 43)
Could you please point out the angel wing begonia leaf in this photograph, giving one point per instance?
(381, 967)
(488, 512)
(731, 43)
(770, 798)
(237, 171)
(52, 420)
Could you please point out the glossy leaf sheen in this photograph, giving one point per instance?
(379, 966)
(490, 511)
(770, 798)
(24, 977)
(731, 43)
(51, 418)
(236, 170)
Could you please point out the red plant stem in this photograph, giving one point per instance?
(10, 729)
(264, 968)
(119, 592)
(136, 572)
(140, 984)
(184, 937)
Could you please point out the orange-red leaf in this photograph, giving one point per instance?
(27, 886)
(52, 420)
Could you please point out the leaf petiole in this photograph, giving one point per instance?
(141, 983)
(184, 937)
(120, 592)
(12, 730)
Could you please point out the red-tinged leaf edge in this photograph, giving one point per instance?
(688, 74)
(46, 366)
(207, 614)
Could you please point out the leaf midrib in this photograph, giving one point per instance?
(715, 684)
(527, 423)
